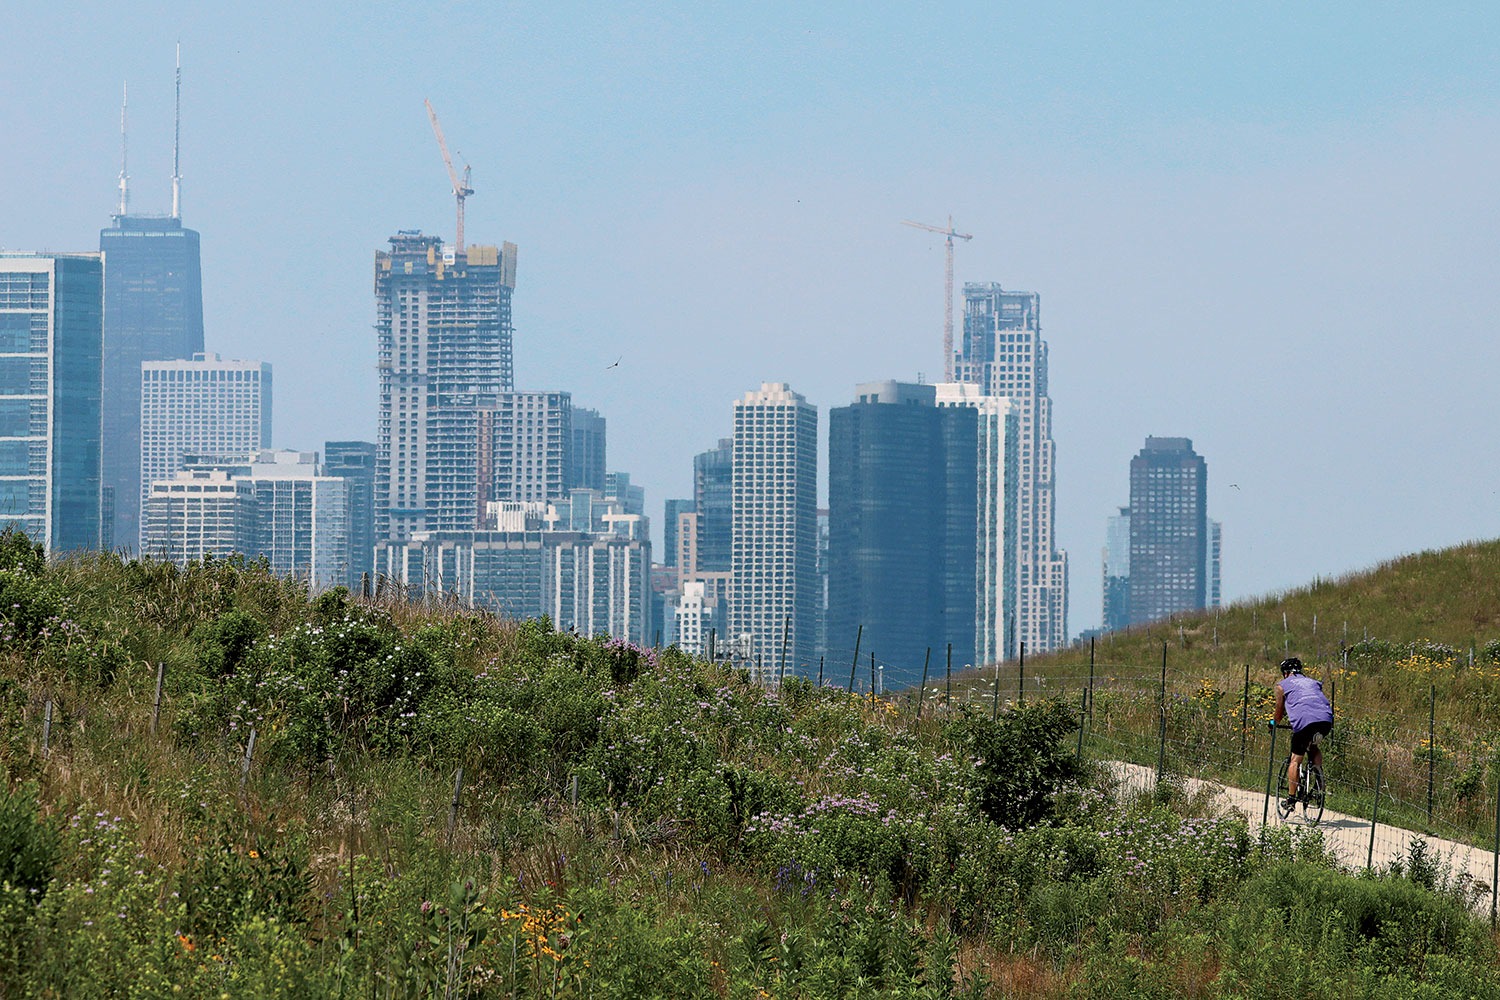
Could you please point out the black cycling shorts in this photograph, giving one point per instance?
(1303, 738)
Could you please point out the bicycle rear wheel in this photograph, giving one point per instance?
(1312, 804)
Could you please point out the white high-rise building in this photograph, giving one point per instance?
(1003, 352)
(207, 406)
(273, 504)
(195, 513)
(301, 518)
(999, 460)
(774, 598)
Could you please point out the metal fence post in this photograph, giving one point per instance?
(1245, 715)
(1161, 751)
(1089, 702)
(922, 691)
(820, 671)
(995, 707)
(47, 733)
(1020, 678)
(854, 664)
(1431, 747)
(786, 628)
(948, 692)
(1495, 879)
(1082, 717)
(1374, 816)
(1265, 809)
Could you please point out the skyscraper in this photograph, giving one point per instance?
(1117, 572)
(997, 459)
(354, 462)
(206, 406)
(774, 561)
(51, 350)
(586, 458)
(532, 432)
(903, 526)
(153, 311)
(671, 517)
(713, 499)
(1169, 543)
(443, 328)
(301, 518)
(1002, 350)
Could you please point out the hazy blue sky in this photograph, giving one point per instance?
(1271, 231)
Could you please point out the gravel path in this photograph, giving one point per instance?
(1348, 837)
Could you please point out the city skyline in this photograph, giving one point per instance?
(1155, 201)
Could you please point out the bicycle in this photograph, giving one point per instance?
(1312, 789)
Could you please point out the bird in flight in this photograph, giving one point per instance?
(616, 364)
(1234, 486)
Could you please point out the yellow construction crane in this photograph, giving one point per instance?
(461, 190)
(952, 234)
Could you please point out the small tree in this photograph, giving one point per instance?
(1021, 761)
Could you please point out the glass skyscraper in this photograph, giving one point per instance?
(902, 528)
(713, 499)
(354, 462)
(1169, 530)
(51, 351)
(153, 311)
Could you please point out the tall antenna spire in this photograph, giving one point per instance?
(124, 177)
(177, 143)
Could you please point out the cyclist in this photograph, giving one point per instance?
(1300, 698)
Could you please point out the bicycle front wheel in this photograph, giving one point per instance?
(1282, 812)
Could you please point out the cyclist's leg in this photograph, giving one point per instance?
(1315, 749)
(1291, 774)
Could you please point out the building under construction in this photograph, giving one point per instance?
(443, 327)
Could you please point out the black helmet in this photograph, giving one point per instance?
(1291, 665)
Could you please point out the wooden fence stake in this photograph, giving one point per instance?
(161, 674)
(458, 787)
(245, 764)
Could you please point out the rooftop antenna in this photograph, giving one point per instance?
(177, 143)
(124, 177)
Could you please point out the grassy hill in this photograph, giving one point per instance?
(345, 798)
(1409, 652)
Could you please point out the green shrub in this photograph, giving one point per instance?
(28, 842)
(1021, 760)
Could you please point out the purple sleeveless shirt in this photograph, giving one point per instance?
(1305, 703)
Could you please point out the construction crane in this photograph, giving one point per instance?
(461, 190)
(952, 234)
